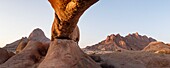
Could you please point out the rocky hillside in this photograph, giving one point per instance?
(5, 55)
(130, 59)
(12, 46)
(116, 42)
(158, 47)
(36, 35)
(37, 51)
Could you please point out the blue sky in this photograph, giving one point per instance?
(147, 17)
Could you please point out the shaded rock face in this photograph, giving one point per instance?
(75, 35)
(158, 47)
(66, 54)
(5, 55)
(117, 42)
(29, 57)
(38, 35)
(12, 46)
(21, 45)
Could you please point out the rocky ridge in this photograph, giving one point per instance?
(36, 35)
(12, 46)
(117, 42)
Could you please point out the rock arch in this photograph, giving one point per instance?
(64, 52)
(67, 14)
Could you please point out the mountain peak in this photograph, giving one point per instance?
(137, 34)
(37, 32)
(132, 41)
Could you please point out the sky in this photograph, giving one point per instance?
(18, 18)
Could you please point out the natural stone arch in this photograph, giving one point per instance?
(67, 14)
(63, 51)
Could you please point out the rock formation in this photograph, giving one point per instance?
(64, 51)
(158, 47)
(36, 35)
(23, 42)
(67, 14)
(12, 46)
(30, 52)
(37, 51)
(132, 59)
(117, 42)
(66, 54)
(5, 55)
(29, 57)
(75, 35)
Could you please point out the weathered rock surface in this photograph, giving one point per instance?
(117, 42)
(67, 14)
(21, 45)
(5, 55)
(30, 51)
(75, 35)
(158, 47)
(12, 46)
(131, 59)
(29, 57)
(66, 54)
(36, 35)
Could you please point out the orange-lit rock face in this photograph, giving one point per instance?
(67, 14)
(157, 47)
(21, 45)
(129, 42)
(75, 35)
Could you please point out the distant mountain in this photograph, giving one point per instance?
(115, 42)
